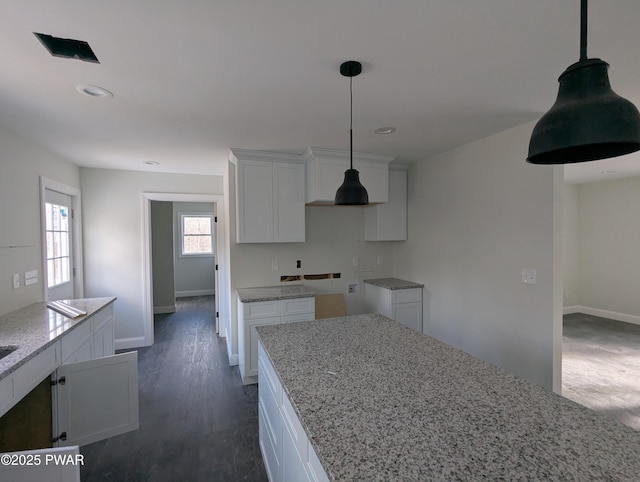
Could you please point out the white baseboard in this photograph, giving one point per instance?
(612, 315)
(185, 294)
(158, 310)
(128, 343)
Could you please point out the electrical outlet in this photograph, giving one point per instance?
(529, 276)
(355, 261)
(16, 281)
(274, 265)
(353, 288)
(298, 264)
(379, 260)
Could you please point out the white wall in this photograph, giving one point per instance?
(113, 233)
(164, 293)
(21, 165)
(477, 215)
(194, 276)
(608, 244)
(334, 235)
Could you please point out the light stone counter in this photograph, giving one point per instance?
(393, 283)
(379, 401)
(271, 293)
(36, 327)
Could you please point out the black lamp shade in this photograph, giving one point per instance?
(352, 192)
(588, 121)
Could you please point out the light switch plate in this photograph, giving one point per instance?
(30, 277)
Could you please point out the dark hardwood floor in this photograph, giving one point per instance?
(197, 420)
(601, 366)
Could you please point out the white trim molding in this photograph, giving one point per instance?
(612, 315)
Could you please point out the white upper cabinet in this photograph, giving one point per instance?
(270, 197)
(325, 174)
(388, 222)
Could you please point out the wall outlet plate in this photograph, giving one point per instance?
(353, 288)
(529, 276)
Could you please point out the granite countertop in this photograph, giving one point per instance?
(380, 401)
(36, 327)
(393, 283)
(271, 293)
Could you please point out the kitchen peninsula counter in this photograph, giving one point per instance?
(273, 293)
(34, 328)
(379, 401)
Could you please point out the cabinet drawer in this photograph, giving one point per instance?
(406, 296)
(261, 309)
(103, 316)
(29, 375)
(73, 340)
(293, 425)
(300, 317)
(298, 305)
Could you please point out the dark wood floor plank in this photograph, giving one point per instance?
(197, 420)
(601, 366)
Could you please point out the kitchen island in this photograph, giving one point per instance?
(379, 401)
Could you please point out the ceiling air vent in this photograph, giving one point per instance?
(67, 48)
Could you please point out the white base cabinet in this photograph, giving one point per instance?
(288, 455)
(95, 393)
(260, 313)
(403, 305)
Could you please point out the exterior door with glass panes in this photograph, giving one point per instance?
(58, 238)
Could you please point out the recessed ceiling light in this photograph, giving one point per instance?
(94, 91)
(152, 163)
(385, 130)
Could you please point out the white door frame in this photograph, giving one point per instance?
(222, 257)
(76, 226)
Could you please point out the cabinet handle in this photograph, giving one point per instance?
(62, 437)
(61, 381)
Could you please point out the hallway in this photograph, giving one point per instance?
(197, 421)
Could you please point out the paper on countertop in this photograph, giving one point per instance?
(65, 309)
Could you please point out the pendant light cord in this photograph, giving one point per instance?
(583, 30)
(351, 121)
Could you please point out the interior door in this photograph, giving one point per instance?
(216, 292)
(97, 399)
(59, 266)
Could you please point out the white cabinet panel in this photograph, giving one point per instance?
(325, 174)
(410, 295)
(76, 338)
(29, 375)
(99, 398)
(270, 197)
(409, 314)
(388, 221)
(254, 202)
(403, 305)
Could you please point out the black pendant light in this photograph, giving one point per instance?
(588, 121)
(352, 192)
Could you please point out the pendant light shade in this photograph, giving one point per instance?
(351, 192)
(588, 121)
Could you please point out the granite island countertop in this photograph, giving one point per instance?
(379, 401)
(35, 327)
(271, 293)
(393, 283)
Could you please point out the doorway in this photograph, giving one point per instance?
(61, 227)
(222, 287)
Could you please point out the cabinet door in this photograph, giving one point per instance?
(409, 314)
(103, 342)
(254, 202)
(388, 221)
(251, 369)
(288, 199)
(99, 398)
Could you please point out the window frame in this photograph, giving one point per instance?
(181, 234)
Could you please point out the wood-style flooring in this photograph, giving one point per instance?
(601, 366)
(197, 421)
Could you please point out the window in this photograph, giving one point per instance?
(57, 233)
(196, 234)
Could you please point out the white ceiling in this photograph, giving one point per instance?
(194, 78)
